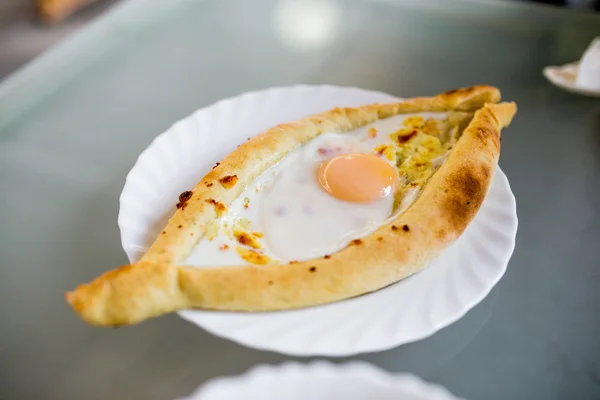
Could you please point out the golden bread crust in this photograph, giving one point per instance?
(397, 249)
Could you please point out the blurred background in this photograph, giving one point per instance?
(28, 27)
(73, 125)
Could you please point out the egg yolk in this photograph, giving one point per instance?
(358, 178)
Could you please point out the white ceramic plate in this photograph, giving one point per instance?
(320, 381)
(407, 311)
(565, 77)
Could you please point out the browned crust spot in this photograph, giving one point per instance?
(216, 165)
(219, 207)
(405, 138)
(394, 228)
(468, 189)
(185, 196)
(405, 228)
(228, 181)
(484, 136)
(246, 239)
(327, 256)
(183, 199)
(313, 269)
(357, 242)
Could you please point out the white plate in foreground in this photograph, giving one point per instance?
(404, 312)
(320, 381)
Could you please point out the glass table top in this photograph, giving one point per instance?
(73, 123)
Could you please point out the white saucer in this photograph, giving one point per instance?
(401, 313)
(565, 77)
(320, 381)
